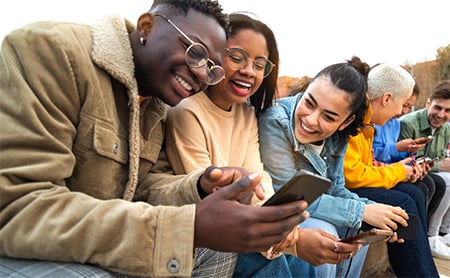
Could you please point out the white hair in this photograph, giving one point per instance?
(385, 78)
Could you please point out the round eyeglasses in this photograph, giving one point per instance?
(197, 56)
(238, 59)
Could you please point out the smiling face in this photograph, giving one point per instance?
(239, 85)
(406, 108)
(438, 112)
(161, 68)
(322, 111)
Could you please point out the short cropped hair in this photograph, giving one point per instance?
(441, 91)
(181, 7)
(389, 78)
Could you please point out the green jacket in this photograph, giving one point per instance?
(73, 137)
(415, 125)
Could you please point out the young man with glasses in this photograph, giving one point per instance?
(82, 114)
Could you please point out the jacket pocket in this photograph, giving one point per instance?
(109, 144)
(150, 149)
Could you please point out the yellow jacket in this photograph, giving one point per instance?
(359, 170)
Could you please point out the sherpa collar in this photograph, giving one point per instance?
(112, 52)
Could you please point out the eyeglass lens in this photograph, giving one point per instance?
(239, 59)
(198, 56)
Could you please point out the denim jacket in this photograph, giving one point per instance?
(283, 155)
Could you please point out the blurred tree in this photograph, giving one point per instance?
(443, 63)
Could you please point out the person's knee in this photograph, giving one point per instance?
(314, 223)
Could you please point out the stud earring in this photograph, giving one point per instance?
(142, 40)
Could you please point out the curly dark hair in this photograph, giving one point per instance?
(350, 77)
(181, 7)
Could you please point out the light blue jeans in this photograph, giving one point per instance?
(255, 265)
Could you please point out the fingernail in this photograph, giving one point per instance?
(253, 176)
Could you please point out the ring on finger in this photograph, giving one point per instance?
(414, 146)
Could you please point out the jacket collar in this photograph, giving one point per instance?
(424, 124)
(112, 51)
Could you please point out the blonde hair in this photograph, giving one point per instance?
(389, 78)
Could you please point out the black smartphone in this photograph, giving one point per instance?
(304, 185)
(407, 233)
(368, 237)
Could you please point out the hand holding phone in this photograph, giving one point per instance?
(304, 185)
(420, 160)
(406, 233)
(423, 140)
(368, 237)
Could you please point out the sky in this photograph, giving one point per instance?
(311, 34)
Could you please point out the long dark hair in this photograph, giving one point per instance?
(263, 97)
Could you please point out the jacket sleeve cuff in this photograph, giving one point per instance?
(174, 243)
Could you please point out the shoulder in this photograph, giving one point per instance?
(245, 108)
(413, 116)
(194, 102)
(446, 127)
(282, 108)
(49, 36)
(393, 123)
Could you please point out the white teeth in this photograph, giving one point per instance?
(243, 84)
(183, 83)
(307, 129)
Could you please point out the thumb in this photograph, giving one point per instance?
(242, 186)
(212, 174)
(406, 161)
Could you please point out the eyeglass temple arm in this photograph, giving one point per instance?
(174, 26)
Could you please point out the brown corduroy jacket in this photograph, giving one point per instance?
(74, 143)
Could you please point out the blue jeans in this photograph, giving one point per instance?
(413, 257)
(255, 265)
(286, 266)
